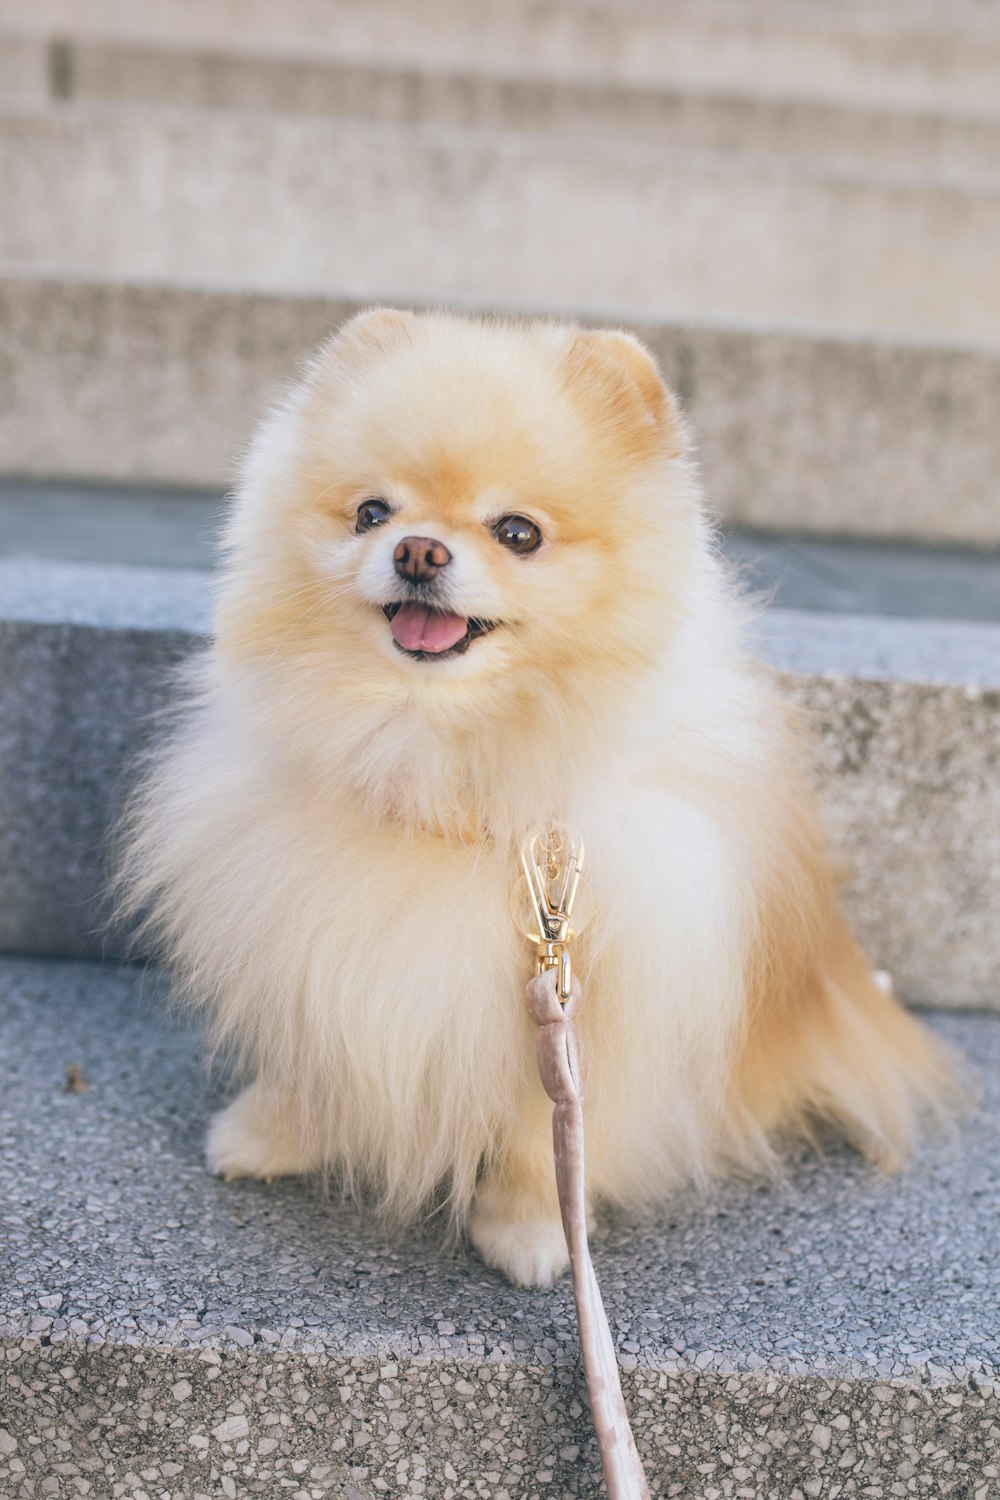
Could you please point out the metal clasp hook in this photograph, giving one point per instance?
(552, 860)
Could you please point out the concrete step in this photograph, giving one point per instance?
(924, 56)
(907, 714)
(309, 204)
(665, 114)
(25, 67)
(177, 529)
(166, 1334)
(161, 383)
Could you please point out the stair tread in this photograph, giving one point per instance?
(837, 1272)
(156, 1319)
(176, 529)
(743, 113)
(628, 223)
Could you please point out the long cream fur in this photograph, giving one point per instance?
(327, 844)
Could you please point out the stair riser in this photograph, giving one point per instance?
(486, 1430)
(677, 115)
(857, 54)
(24, 68)
(909, 775)
(163, 384)
(122, 191)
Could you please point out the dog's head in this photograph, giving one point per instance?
(463, 513)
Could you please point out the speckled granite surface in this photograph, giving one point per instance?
(167, 1335)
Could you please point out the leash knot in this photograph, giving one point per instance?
(556, 1044)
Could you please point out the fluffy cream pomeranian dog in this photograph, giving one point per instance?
(469, 588)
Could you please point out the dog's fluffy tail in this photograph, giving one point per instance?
(843, 1050)
(824, 1039)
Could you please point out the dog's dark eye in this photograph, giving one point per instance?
(518, 533)
(372, 513)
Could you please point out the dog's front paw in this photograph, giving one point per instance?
(529, 1252)
(248, 1139)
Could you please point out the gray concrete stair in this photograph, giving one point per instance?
(672, 113)
(25, 69)
(161, 528)
(161, 383)
(906, 713)
(128, 191)
(917, 55)
(165, 1334)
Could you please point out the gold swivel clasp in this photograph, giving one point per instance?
(552, 861)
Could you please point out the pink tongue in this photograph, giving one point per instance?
(418, 628)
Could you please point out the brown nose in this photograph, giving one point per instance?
(418, 559)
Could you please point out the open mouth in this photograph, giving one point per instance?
(426, 634)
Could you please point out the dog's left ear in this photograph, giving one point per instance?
(375, 331)
(622, 374)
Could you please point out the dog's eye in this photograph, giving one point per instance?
(372, 513)
(518, 533)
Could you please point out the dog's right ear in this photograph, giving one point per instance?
(367, 336)
(615, 370)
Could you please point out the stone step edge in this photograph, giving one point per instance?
(905, 717)
(151, 526)
(594, 312)
(842, 646)
(618, 225)
(761, 26)
(468, 140)
(58, 82)
(670, 114)
(170, 375)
